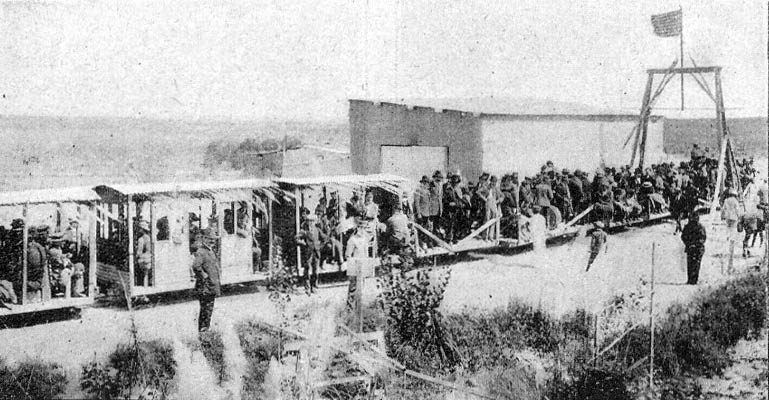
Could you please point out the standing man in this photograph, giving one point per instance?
(597, 242)
(143, 254)
(38, 279)
(453, 207)
(730, 213)
(435, 199)
(207, 278)
(543, 193)
(694, 237)
(312, 239)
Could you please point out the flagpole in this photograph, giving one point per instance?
(681, 37)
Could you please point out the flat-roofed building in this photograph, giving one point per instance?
(412, 138)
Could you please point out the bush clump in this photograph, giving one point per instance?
(692, 341)
(259, 346)
(212, 347)
(31, 379)
(147, 368)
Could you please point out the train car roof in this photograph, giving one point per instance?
(206, 188)
(393, 183)
(82, 194)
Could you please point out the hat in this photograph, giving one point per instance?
(647, 184)
(144, 225)
(73, 221)
(456, 178)
(437, 175)
(208, 233)
(566, 171)
(536, 208)
(731, 192)
(598, 224)
(484, 175)
(17, 223)
(424, 179)
(312, 217)
(578, 172)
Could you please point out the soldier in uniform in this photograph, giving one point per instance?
(207, 278)
(38, 278)
(312, 238)
(694, 237)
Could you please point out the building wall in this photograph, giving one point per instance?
(372, 126)
(525, 144)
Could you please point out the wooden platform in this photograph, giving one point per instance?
(50, 305)
(473, 244)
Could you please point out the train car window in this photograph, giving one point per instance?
(162, 229)
(244, 224)
(229, 218)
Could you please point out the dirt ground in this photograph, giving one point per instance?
(555, 279)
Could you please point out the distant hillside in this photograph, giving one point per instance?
(749, 135)
(40, 152)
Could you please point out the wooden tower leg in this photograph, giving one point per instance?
(642, 122)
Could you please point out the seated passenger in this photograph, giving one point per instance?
(397, 230)
(64, 274)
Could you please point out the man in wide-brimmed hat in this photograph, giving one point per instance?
(453, 207)
(435, 199)
(207, 277)
(422, 203)
(143, 254)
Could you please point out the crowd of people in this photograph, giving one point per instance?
(451, 208)
(55, 262)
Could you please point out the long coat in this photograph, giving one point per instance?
(208, 274)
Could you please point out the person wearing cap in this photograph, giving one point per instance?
(453, 205)
(543, 193)
(371, 209)
(525, 197)
(332, 208)
(750, 223)
(311, 238)
(358, 244)
(397, 230)
(597, 243)
(575, 190)
(72, 237)
(355, 208)
(422, 204)
(208, 275)
(66, 274)
(694, 237)
(143, 254)
(435, 200)
(562, 195)
(38, 279)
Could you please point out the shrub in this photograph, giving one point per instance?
(490, 340)
(415, 330)
(212, 347)
(147, 366)
(32, 379)
(259, 346)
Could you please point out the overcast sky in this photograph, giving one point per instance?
(304, 58)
